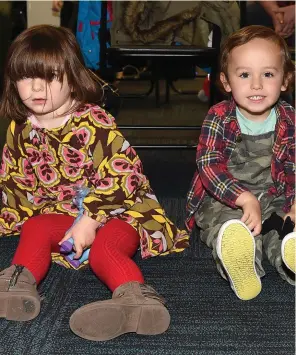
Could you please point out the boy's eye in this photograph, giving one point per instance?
(244, 75)
(268, 75)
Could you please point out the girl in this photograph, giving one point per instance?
(59, 141)
(246, 162)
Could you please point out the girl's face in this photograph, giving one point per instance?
(255, 77)
(46, 100)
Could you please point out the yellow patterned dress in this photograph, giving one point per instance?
(41, 169)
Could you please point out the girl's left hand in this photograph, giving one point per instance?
(83, 233)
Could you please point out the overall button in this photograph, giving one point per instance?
(239, 139)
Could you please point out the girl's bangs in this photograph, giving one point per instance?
(40, 63)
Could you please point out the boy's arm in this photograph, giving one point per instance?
(290, 174)
(212, 162)
(17, 180)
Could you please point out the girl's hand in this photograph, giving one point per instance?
(83, 233)
(251, 212)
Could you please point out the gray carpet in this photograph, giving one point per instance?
(207, 318)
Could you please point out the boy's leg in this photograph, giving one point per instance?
(134, 307)
(273, 249)
(272, 243)
(19, 299)
(230, 261)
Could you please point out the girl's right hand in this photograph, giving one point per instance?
(251, 212)
(83, 233)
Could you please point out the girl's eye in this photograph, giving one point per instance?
(268, 75)
(244, 75)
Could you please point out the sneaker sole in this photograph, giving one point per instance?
(236, 250)
(16, 307)
(288, 251)
(101, 322)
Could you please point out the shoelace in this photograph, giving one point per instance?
(18, 270)
(149, 292)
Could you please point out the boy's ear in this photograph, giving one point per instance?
(286, 82)
(224, 82)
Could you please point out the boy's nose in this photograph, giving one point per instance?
(256, 83)
(37, 84)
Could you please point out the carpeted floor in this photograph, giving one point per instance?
(207, 318)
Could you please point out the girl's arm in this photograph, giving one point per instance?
(17, 180)
(211, 161)
(119, 173)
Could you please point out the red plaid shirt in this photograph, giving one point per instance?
(219, 133)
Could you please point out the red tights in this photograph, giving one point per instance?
(110, 254)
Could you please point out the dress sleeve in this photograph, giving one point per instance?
(116, 173)
(17, 180)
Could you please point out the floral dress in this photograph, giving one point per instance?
(41, 170)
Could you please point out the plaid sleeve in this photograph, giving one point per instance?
(290, 171)
(212, 155)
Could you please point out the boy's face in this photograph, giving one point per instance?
(45, 100)
(255, 77)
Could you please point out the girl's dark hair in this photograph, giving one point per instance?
(247, 34)
(46, 51)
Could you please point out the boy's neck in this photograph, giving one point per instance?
(256, 117)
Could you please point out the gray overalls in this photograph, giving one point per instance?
(249, 163)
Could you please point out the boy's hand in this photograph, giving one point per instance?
(83, 233)
(291, 214)
(251, 212)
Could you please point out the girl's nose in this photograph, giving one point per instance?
(37, 84)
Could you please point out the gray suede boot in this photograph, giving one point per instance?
(134, 307)
(19, 299)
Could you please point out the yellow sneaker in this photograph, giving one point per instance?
(236, 250)
(288, 251)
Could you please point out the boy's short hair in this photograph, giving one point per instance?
(46, 52)
(247, 34)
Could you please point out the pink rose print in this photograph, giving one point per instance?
(101, 117)
(37, 157)
(6, 155)
(107, 185)
(3, 168)
(121, 165)
(131, 182)
(73, 156)
(81, 138)
(42, 161)
(74, 159)
(27, 178)
(68, 207)
(82, 110)
(46, 174)
(10, 218)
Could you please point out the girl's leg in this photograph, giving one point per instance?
(134, 307)
(111, 252)
(19, 298)
(40, 236)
